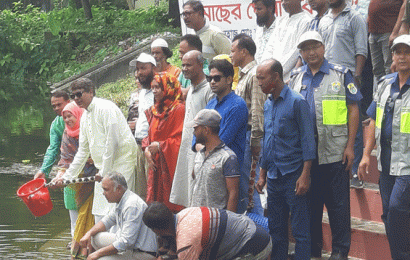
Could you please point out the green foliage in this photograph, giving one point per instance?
(119, 92)
(175, 60)
(53, 46)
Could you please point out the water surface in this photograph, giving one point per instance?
(24, 127)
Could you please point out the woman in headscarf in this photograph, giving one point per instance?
(161, 146)
(78, 198)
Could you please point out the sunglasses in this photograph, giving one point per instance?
(77, 94)
(216, 78)
(187, 14)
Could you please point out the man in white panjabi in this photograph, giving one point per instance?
(106, 136)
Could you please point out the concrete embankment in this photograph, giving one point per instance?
(117, 67)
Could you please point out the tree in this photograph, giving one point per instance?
(87, 9)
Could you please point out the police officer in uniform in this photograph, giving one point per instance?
(333, 100)
(390, 129)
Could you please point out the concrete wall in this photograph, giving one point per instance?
(117, 67)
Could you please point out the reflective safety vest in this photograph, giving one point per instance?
(331, 113)
(400, 143)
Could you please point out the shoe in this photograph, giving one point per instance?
(337, 256)
(356, 183)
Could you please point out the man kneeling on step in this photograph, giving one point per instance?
(132, 238)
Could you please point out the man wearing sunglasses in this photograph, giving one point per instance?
(230, 106)
(106, 136)
(214, 41)
(59, 99)
(389, 128)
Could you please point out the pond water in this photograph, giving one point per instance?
(24, 128)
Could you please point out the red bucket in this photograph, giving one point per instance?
(35, 195)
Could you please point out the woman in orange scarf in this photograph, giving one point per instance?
(161, 146)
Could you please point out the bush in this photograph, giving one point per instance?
(56, 45)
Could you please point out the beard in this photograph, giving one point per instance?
(200, 139)
(146, 83)
(262, 20)
(336, 4)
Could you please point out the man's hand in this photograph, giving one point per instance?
(93, 256)
(40, 174)
(85, 242)
(153, 147)
(260, 185)
(366, 122)
(358, 81)
(150, 161)
(348, 157)
(302, 185)
(363, 167)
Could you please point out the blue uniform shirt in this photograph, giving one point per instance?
(234, 113)
(386, 132)
(289, 137)
(311, 82)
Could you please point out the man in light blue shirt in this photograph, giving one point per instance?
(133, 239)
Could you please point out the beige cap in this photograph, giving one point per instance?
(309, 36)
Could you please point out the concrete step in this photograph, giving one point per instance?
(366, 203)
(369, 239)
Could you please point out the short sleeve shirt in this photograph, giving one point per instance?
(209, 185)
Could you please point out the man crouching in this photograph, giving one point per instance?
(132, 238)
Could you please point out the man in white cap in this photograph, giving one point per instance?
(389, 128)
(161, 52)
(333, 101)
(216, 169)
(214, 41)
(141, 100)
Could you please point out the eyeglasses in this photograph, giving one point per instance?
(186, 14)
(77, 94)
(216, 78)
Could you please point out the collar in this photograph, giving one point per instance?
(219, 146)
(91, 106)
(281, 95)
(248, 67)
(225, 97)
(347, 9)
(124, 197)
(203, 29)
(272, 26)
(324, 68)
(202, 84)
(395, 81)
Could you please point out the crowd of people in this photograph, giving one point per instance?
(281, 112)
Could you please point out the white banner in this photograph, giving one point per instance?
(235, 16)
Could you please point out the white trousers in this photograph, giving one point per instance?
(104, 239)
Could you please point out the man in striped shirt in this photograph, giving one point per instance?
(208, 233)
